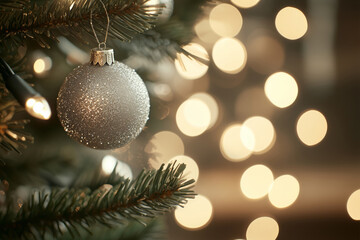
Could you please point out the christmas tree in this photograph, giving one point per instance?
(240, 116)
(52, 187)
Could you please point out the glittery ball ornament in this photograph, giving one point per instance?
(103, 104)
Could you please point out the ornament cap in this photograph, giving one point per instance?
(102, 56)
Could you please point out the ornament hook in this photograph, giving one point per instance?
(101, 45)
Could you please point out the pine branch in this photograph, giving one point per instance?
(164, 41)
(154, 229)
(9, 5)
(93, 178)
(36, 171)
(152, 193)
(44, 22)
(12, 138)
(167, 39)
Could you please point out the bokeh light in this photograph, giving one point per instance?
(162, 147)
(225, 20)
(151, 5)
(262, 228)
(284, 191)
(247, 137)
(188, 67)
(265, 54)
(211, 103)
(311, 127)
(232, 146)
(245, 3)
(281, 89)
(291, 23)
(39, 65)
(42, 65)
(196, 214)
(192, 170)
(256, 181)
(263, 131)
(108, 164)
(193, 117)
(353, 205)
(229, 55)
(204, 31)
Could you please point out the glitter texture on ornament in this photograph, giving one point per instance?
(103, 107)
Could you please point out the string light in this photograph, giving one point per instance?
(34, 103)
(38, 107)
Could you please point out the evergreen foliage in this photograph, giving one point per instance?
(43, 22)
(151, 194)
(81, 209)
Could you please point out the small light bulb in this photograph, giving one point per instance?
(38, 107)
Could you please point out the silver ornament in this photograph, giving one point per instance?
(103, 107)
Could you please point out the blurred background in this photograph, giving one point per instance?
(269, 126)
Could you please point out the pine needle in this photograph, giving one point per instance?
(45, 22)
(151, 194)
